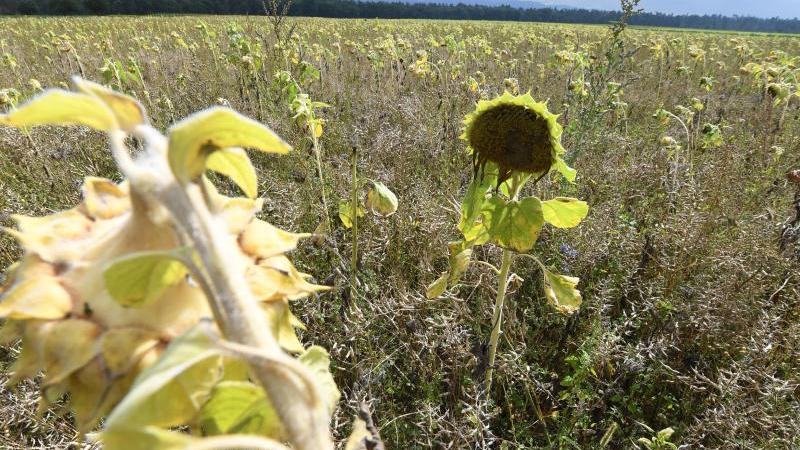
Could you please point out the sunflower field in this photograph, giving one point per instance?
(268, 232)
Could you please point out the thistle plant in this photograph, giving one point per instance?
(160, 303)
(514, 141)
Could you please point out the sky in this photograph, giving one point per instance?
(759, 8)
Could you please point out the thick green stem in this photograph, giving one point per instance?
(497, 319)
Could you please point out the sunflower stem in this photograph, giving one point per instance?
(235, 309)
(497, 318)
(502, 285)
(354, 230)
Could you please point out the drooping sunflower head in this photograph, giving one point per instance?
(102, 289)
(516, 133)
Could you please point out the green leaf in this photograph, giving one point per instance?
(459, 261)
(561, 293)
(58, 107)
(140, 278)
(380, 200)
(346, 213)
(144, 438)
(564, 212)
(471, 207)
(193, 139)
(568, 172)
(172, 391)
(235, 164)
(514, 224)
(438, 287)
(317, 359)
(240, 407)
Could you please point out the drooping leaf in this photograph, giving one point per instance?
(561, 293)
(283, 324)
(144, 438)
(58, 107)
(470, 224)
(381, 200)
(318, 360)
(41, 235)
(564, 212)
(459, 261)
(68, 346)
(137, 279)
(123, 347)
(235, 164)
(128, 112)
(173, 390)
(438, 287)
(35, 298)
(514, 224)
(240, 407)
(263, 240)
(566, 171)
(346, 213)
(193, 139)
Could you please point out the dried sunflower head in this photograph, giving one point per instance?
(515, 133)
(96, 298)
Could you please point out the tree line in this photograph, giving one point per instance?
(394, 10)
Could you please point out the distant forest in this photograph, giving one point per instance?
(377, 9)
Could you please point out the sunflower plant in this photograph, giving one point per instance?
(159, 304)
(380, 201)
(514, 141)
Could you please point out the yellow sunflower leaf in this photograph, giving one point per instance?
(438, 287)
(381, 201)
(193, 139)
(346, 213)
(318, 360)
(240, 407)
(58, 107)
(41, 235)
(172, 391)
(561, 293)
(145, 438)
(128, 112)
(68, 345)
(283, 324)
(235, 164)
(564, 212)
(274, 283)
(137, 279)
(459, 261)
(263, 240)
(36, 298)
(122, 348)
(566, 171)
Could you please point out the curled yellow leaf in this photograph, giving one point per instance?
(59, 107)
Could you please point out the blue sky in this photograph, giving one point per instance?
(758, 8)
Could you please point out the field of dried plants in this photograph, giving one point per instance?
(684, 144)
